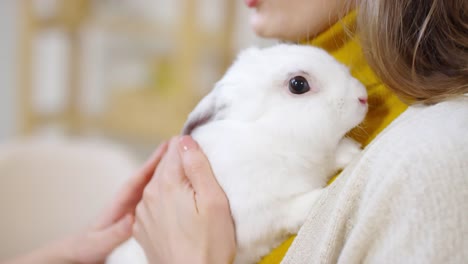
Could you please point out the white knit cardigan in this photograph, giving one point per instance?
(405, 200)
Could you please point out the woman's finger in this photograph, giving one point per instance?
(130, 194)
(197, 168)
(94, 246)
(114, 235)
(184, 208)
(171, 173)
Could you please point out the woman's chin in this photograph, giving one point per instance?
(265, 28)
(257, 25)
(261, 27)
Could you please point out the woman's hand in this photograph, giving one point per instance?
(112, 228)
(184, 215)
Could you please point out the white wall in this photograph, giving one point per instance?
(8, 53)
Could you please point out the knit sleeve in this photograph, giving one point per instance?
(414, 208)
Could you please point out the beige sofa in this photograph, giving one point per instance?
(52, 188)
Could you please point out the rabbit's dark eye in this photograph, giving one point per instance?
(298, 85)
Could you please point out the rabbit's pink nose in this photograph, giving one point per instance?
(363, 100)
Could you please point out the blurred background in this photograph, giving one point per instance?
(88, 88)
(125, 70)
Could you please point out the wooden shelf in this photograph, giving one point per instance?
(141, 114)
(146, 115)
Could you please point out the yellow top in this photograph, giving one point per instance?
(340, 41)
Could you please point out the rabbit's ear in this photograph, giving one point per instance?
(206, 111)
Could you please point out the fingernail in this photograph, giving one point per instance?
(186, 143)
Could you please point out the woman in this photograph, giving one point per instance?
(404, 200)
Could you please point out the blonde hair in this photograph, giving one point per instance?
(418, 48)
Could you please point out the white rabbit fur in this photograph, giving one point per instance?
(273, 151)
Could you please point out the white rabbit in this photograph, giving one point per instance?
(274, 131)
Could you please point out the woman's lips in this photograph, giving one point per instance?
(251, 3)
